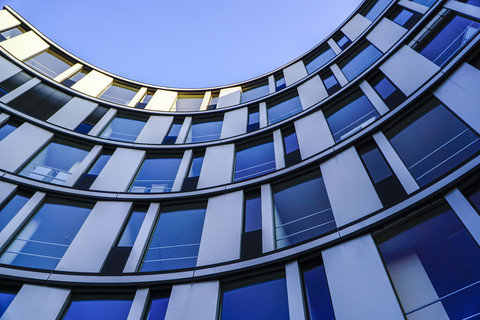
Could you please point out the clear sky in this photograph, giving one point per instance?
(186, 43)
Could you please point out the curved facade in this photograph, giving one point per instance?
(343, 185)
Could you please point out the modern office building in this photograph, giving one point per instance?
(344, 185)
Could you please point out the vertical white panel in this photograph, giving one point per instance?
(7, 69)
(229, 97)
(139, 304)
(234, 123)
(374, 98)
(25, 45)
(350, 190)
(68, 73)
(182, 135)
(263, 115)
(6, 189)
(334, 46)
(182, 170)
(90, 247)
(460, 94)
(93, 84)
(271, 84)
(358, 282)
(222, 229)
(294, 72)
(194, 301)
(141, 242)
(413, 6)
(84, 165)
(464, 210)
(162, 100)
(103, 122)
(7, 21)
(385, 34)
(119, 171)
(311, 92)
(313, 134)
(217, 168)
(278, 149)
(19, 90)
(355, 27)
(37, 302)
(268, 234)
(408, 69)
(342, 80)
(4, 118)
(206, 100)
(26, 140)
(294, 291)
(137, 97)
(155, 129)
(73, 113)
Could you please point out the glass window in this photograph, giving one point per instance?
(7, 128)
(91, 120)
(302, 209)
(319, 304)
(146, 99)
(376, 9)
(330, 82)
(253, 119)
(189, 102)
(434, 265)
(359, 61)
(319, 59)
(88, 178)
(46, 237)
(173, 132)
(391, 95)
(204, 130)
(283, 108)
(252, 225)
(342, 40)
(157, 174)
(10, 33)
(98, 307)
(350, 115)
(49, 63)
(290, 144)
(432, 141)
(176, 239)
(13, 82)
(123, 128)
(472, 2)
(427, 3)
(262, 297)
(119, 93)
(11, 207)
(448, 37)
(191, 181)
(75, 78)
(55, 163)
(7, 294)
(253, 161)
(255, 91)
(473, 195)
(280, 82)
(405, 17)
(40, 102)
(213, 101)
(157, 308)
(386, 183)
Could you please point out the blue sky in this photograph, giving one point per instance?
(186, 43)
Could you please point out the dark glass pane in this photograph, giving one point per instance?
(10, 209)
(451, 38)
(302, 209)
(280, 110)
(350, 116)
(100, 164)
(10, 33)
(142, 104)
(472, 2)
(261, 300)
(377, 9)
(83, 307)
(253, 212)
(75, 78)
(390, 94)
(255, 91)
(405, 18)
(202, 131)
(119, 93)
(176, 239)
(6, 129)
(343, 42)
(473, 195)
(91, 120)
(290, 141)
(158, 308)
(196, 166)
(434, 260)
(123, 129)
(5, 299)
(359, 61)
(156, 175)
(320, 60)
(84, 128)
(254, 161)
(280, 83)
(132, 228)
(15, 81)
(330, 82)
(427, 3)
(432, 142)
(253, 120)
(317, 294)
(173, 133)
(49, 63)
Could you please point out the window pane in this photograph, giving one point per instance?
(320, 60)
(188, 102)
(317, 295)
(255, 91)
(6, 129)
(119, 93)
(158, 307)
(11, 208)
(47, 236)
(473, 195)
(253, 120)
(427, 3)
(377, 9)
(202, 131)
(254, 161)
(84, 307)
(55, 163)
(156, 175)
(363, 59)
(253, 212)
(176, 239)
(123, 129)
(132, 228)
(10, 33)
(434, 262)
(255, 300)
(7, 294)
(14, 81)
(196, 166)
(49, 63)
(75, 78)
(302, 209)
(432, 142)
(173, 133)
(281, 110)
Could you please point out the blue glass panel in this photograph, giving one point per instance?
(118, 93)
(360, 62)
(156, 175)
(253, 213)
(403, 17)
(10, 33)
(6, 129)
(351, 118)
(5, 300)
(204, 131)
(280, 84)
(284, 110)
(254, 161)
(255, 93)
(330, 81)
(290, 142)
(253, 117)
(158, 309)
(195, 167)
(132, 228)
(450, 39)
(320, 60)
(48, 63)
(317, 294)
(44, 240)
(173, 133)
(10, 209)
(474, 198)
(123, 129)
(385, 88)
(98, 309)
(175, 241)
(473, 2)
(377, 9)
(99, 164)
(260, 301)
(302, 210)
(84, 128)
(442, 255)
(434, 143)
(427, 3)
(344, 42)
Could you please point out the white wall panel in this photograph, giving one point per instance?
(93, 84)
(200, 297)
(311, 92)
(7, 69)
(294, 72)
(385, 34)
(313, 134)
(73, 113)
(25, 45)
(155, 129)
(355, 27)
(217, 168)
(234, 123)
(229, 97)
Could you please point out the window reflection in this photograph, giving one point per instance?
(98, 307)
(253, 161)
(157, 174)
(319, 304)
(359, 61)
(123, 128)
(283, 108)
